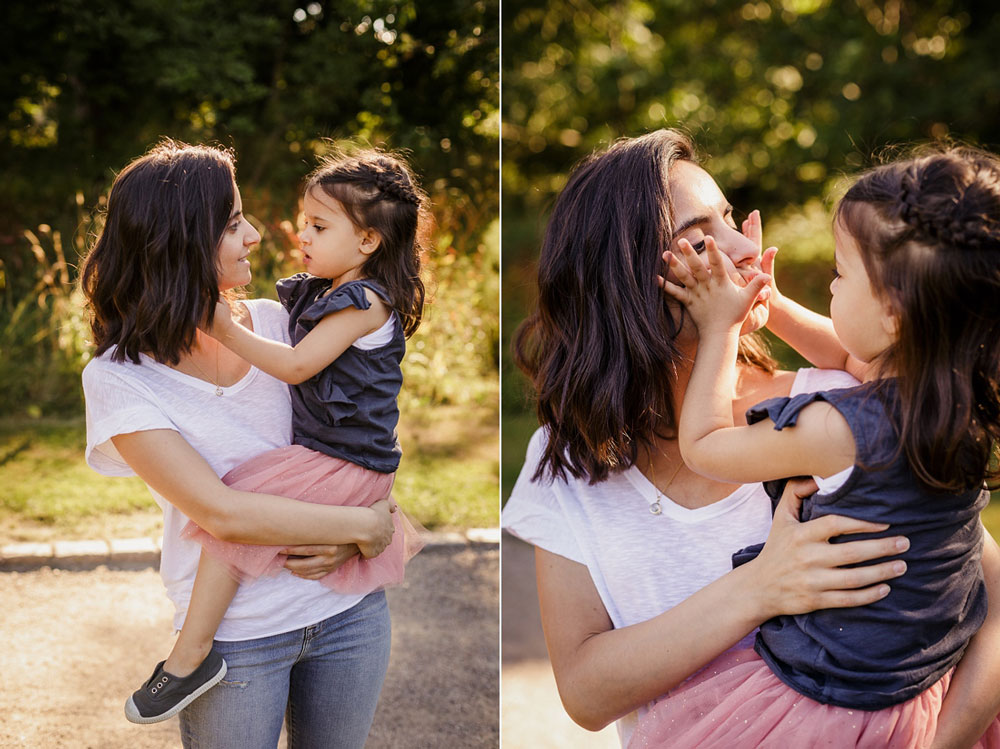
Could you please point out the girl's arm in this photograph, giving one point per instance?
(172, 468)
(294, 364)
(973, 700)
(603, 673)
(821, 443)
(808, 332)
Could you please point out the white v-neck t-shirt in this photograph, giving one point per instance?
(643, 564)
(251, 417)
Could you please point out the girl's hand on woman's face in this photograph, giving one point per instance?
(799, 570)
(712, 296)
(754, 231)
(314, 562)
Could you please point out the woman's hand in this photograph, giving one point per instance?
(709, 292)
(382, 529)
(314, 562)
(800, 570)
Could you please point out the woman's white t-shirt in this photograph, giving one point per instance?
(643, 564)
(251, 417)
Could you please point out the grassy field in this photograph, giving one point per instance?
(447, 479)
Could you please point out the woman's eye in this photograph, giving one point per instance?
(234, 227)
(698, 247)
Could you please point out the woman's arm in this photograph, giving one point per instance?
(171, 467)
(973, 700)
(604, 673)
(294, 364)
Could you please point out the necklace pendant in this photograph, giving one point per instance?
(656, 508)
(218, 390)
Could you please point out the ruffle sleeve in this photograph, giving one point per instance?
(291, 288)
(348, 295)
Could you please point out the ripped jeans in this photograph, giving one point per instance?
(325, 678)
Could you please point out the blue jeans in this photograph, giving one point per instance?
(325, 679)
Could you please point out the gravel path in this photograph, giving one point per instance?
(75, 643)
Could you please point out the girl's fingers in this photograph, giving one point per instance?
(694, 263)
(767, 260)
(755, 287)
(673, 290)
(715, 262)
(679, 268)
(752, 228)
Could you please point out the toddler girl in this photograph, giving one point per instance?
(348, 318)
(916, 296)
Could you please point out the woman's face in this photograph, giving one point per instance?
(237, 240)
(700, 210)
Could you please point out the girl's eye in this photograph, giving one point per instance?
(836, 273)
(318, 228)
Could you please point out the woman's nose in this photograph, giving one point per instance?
(741, 250)
(252, 237)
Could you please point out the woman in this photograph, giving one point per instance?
(170, 404)
(633, 549)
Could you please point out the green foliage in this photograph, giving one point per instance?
(87, 86)
(784, 98)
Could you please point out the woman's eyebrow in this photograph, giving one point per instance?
(692, 222)
(236, 214)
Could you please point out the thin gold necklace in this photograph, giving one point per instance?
(657, 507)
(218, 387)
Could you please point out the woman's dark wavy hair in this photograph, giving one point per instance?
(379, 191)
(152, 276)
(928, 229)
(600, 346)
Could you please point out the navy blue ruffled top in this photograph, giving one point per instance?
(871, 657)
(347, 410)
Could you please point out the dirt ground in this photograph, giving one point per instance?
(75, 643)
(531, 715)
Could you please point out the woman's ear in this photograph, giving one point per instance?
(370, 241)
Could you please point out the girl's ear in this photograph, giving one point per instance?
(370, 241)
(890, 320)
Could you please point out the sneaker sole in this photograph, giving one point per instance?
(132, 713)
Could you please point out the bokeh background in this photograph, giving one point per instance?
(87, 86)
(784, 98)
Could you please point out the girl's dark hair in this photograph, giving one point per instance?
(928, 229)
(379, 191)
(152, 276)
(600, 345)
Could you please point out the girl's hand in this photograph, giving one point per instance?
(381, 535)
(753, 230)
(314, 562)
(221, 323)
(710, 294)
(800, 570)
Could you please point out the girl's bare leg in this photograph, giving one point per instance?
(214, 588)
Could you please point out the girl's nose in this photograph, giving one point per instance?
(303, 239)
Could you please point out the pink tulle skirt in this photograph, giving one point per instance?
(738, 703)
(311, 476)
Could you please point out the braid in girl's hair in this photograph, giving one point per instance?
(929, 233)
(379, 191)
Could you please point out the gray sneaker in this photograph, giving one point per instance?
(164, 695)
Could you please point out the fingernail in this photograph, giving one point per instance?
(899, 567)
(883, 591)
(902, 544)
